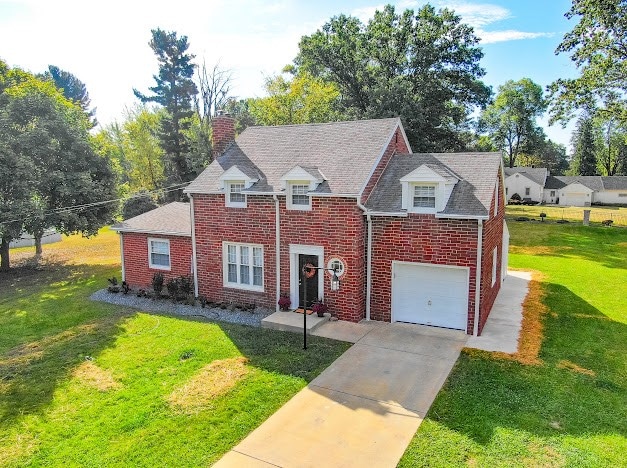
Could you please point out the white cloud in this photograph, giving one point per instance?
(491, 37)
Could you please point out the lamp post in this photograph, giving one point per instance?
(335, 285)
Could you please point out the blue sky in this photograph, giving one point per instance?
(104, 43)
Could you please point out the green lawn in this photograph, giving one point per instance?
(569, 410)
(598, 214)
(91, 384)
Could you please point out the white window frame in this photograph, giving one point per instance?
(496, 198)
(527, 191)
(290, 188)
(342, 266)
(150, 252)
(413, 188)
(225, 266)
(552, 193)
(494, 263)
(228, 192)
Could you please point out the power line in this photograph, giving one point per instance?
(69, 209)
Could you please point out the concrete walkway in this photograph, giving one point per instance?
(364, 409)
(502, 330)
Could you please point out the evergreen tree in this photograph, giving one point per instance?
(584, 158)
(174, 90)
(73, 89)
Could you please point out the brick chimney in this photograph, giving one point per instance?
(222, 132)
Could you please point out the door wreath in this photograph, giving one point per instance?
(310, 270)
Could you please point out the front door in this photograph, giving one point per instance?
(312, 282)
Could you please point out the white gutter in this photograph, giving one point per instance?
(122, 255)
(277, 249)
(194, 261)
(368, 257)
(478, 278)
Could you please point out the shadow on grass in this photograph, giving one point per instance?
(49, 326)
(578, 389)
(600, 244)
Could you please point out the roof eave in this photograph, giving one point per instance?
(122, 230)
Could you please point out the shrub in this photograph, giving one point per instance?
(516, 197)
(607, 222)
(113, 285)
(173, 286)
(157, 283)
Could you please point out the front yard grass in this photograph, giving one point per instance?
(90, 384)
(568, 410)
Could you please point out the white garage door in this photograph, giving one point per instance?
(430, 295)
(574, 199)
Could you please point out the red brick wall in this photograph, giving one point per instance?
(396, 145)
(136, 269)
(492, 238)
(336, 224)
(423, 239)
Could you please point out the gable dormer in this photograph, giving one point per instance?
(297, 183)
(426, 189)
(233, 182)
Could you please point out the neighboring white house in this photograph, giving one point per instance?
(528, 182)
(586, 190)
(26, 240)
(536, 184)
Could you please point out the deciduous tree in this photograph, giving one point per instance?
(598, 47)
(511, 119)
(423, 66)
(296, 100)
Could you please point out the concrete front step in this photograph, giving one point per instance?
(292, 322)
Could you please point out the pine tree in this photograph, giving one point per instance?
(584, 158)
(174, 90)
(73, 89)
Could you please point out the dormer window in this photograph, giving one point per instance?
(234, 182)
(426, 190)
(298, 183)
(297, 196)
(235, 197)
(424, 196)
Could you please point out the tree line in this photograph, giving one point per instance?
(421, 65)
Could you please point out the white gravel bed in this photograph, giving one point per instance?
(252, 318)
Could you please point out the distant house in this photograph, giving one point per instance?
(27, 240)
(417, 238)
(528, 182)
(539, 186)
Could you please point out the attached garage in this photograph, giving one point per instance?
(429, 294)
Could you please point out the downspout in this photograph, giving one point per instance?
(194, 261)
(122, 255)
(478, 279)
(277, 249)
(368, 257)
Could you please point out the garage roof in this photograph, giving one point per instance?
(471, 196)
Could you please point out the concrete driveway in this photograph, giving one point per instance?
(364, 409)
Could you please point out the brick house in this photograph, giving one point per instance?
(412, 235)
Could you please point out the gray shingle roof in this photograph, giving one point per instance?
(536, 174)
(173, 219)
(471, 196)
(558, 182)
(344, 152)
(614, 182)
